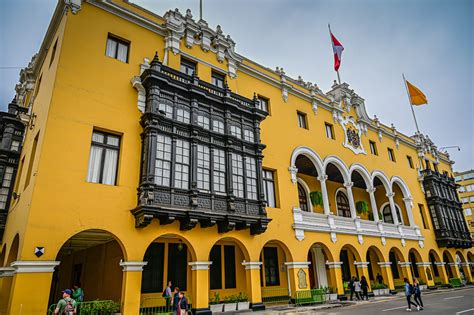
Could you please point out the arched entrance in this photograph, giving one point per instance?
(417, 271)
(463, 267)
(449, 264)
(90, 259)
(436, 267)
(6, 282)
(227, 275)
(348, 256)
(396, 258)
(319, 273)
(376, 274)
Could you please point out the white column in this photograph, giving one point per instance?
(373, 203)
(409, 207)
(351, 198)
(320, 266)
(392, 207)
(322, 179)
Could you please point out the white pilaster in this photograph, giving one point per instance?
(392, 207)
(322, 179)
(409, 206)
(352, 207)
(373, 203)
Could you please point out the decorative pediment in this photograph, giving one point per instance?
(199, 33)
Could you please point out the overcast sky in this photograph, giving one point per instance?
(430, 41)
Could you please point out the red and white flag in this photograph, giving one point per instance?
(337, 49)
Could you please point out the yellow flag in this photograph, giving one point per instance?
(416, 96)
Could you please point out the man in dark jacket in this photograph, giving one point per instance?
(175, 300)
(352, 287)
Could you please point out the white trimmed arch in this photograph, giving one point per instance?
(398, 209)
(363, 172)
(307, 191)
(403, 187)
(383, 179)
(341, 166)
(310, 154)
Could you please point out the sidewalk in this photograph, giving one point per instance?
(291, 309)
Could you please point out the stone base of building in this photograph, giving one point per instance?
(257, 306)
(341, 297)
(201, 311)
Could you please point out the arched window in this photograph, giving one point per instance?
(303, 198)
(342, 203)
(387, 214)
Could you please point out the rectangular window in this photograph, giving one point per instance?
(248, 135)
(152, 281)
(215, 269)
(53, 53)
(269, 188)
(163, 161)
(219, 171)
(117, 48)
(468, 212)
(469, 187)
(218, 126)
(251, 177)
(302, 123)
(188, 67)
(410, 161)
(272, 271)
(15, 146)
(461, 189)
(391, 155)
(203, 121)
(262, 104)
(237, 175)
(373, 147)
(423, 215)
(103, 159)
(329, 131)
(217, 79)
(428, 165)
(32, 160)
(203, 168)
(166, 109)
(229, 263)
(5, 187)
(181, 168)
(236, 131)
(182, 115)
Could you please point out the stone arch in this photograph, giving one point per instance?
(320, 275)
(363, 172)
(348, 255)
(434, 258)
(414, 258)
(449, 264)
(374, 256)
(307, 192)
(403, 187)
(385, 182)
(310, 154)
(405, 200)
(343, 191)
(397, 209)
(3, 254)
(462, 265)
(239, 243)
(284, 247)
(341, 166)
(274, 255)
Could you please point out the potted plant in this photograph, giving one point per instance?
(423, 285)
(380, 289)
(243, 302)
(316, 198)
(332, 294)
(230, 303)
(215, 303)
(362, 207)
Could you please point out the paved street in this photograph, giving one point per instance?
(443, 303)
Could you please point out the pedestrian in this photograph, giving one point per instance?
(351, 286)
(357, 289)
(167, 295)
(408, 294)
(379, 278)
(66, 305)
(365, 288)
(417, 289)
(182, 304)
(175, 301)
(78, 292)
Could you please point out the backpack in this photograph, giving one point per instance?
(69, 309)
(164, 292)
(412, 289)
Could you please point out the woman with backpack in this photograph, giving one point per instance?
(409, 290)
(416, 287)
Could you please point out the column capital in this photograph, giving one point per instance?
(390, 194)
(384, 264)
(293, 171)
(200, 265)
(349, 184)
(371, 190)
(361, 264)
(408, 199)
(251, 265)
(6, 272)
(423, 264)
(297, 264)
(33, 266)
(322, 178)
(334, 264)
(442, 263)
(132, 265)
(405, 264)
(453, 264)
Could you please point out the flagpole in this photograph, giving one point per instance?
(338, 77)
(411, 105)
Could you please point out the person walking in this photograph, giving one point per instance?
(408, 293)
(417, 295)
(167, 295)
(365, 288)
(175, 301)
(379, 278)
(182, 304)
(66, 306)
(351, 286)
(357, 289)
(78, 292)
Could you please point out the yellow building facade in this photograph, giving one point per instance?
(465, 180)
(249, 182)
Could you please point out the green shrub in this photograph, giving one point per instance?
(316, 198)
(362, 207)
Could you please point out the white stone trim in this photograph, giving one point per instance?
(385, 264)
(405, 264)
(297, 264)
(424, 264)
(132, 265)
(200, 265)
(6, 272)
(40, 266)
(440, 264)
(362, 264)
(334, 264)
(252, 265)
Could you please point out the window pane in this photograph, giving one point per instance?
(181, 170)
(167, 109)
(122, 52)
(235, 131)
(251, 177)
(218, 126)
(182, 115)
(203, 168)
(15, 145)
(111, 50)
(113, 140)
(237, 175)
(110, 167)
(269, 188)
(95, 162)
(203, 121)
(163, 161)
(248, 135)
(98, 137)
(219, 171)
